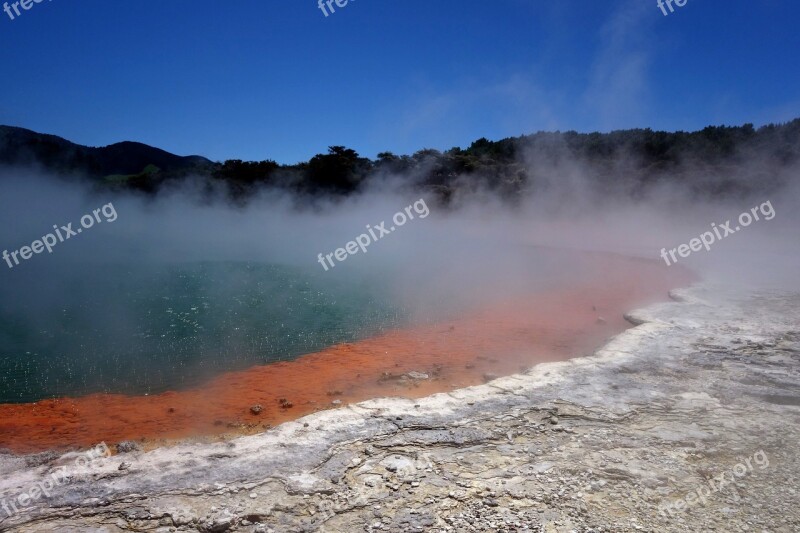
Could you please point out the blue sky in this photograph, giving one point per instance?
(258, 79)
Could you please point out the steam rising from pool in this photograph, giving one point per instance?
(179, 289)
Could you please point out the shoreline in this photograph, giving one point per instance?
(495, 340)
(639, 421)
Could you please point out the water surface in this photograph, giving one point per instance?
(145, 328)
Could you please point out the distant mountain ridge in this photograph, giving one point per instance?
(19, 146)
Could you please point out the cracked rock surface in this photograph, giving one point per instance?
(687, 422)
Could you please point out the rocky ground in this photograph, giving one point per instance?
(687, 422)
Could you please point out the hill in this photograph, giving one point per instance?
(22, 147)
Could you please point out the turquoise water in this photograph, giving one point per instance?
(147, 329)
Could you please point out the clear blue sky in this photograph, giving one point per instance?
(257, 79)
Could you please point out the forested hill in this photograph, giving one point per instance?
(717, 160)
(21, 147)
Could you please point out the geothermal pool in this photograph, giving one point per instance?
(175, 351)
(145, 329)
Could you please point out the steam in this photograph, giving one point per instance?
(478, 250)
(476, 243)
